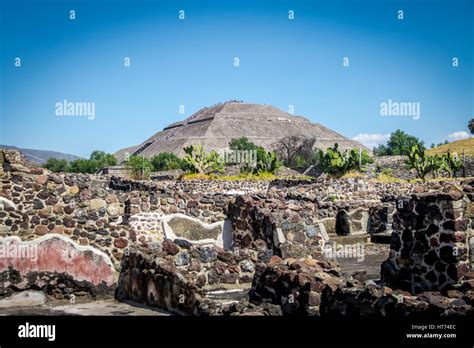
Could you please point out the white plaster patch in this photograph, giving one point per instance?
(223, 240)
(4, 201)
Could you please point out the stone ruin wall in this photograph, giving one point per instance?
(430, 244)
(111, 216)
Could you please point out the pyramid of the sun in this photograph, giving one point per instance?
(214, 127)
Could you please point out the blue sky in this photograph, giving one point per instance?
(190, 62)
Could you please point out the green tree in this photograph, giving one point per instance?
(470, 125)
(166, 161)
(103, 159)
(56, 165)
(399, 143)
(140, 167)
(97, 160)
(81, 166)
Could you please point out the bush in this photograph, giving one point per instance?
(140, 167)
(242, 144)
(198, 161)
(56, 165)
(97, 160)
(166, 161)
(470, 125)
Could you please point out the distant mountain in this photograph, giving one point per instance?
(40, 156)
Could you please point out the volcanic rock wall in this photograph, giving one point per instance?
(429, 247)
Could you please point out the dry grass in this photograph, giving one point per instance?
(251, 177)
(353, 174)
(455, 147)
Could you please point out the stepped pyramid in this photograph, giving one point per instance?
(214, 127)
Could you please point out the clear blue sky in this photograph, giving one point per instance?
(190, 62)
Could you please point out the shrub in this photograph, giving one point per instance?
(56, 165)
(166, 161)
(97, 160)
(140, 167)
(242, 144)
(198, 161)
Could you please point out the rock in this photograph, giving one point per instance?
(96, 204)
(41, 179)
(247, 266)
(120, 243)
(41, 230)
(24, 299)
(16, 167)
(169, 247)
(207, 254)
(352, 222)
(278, 236)
(183, 243)
(194, 266)
(114, 209)
(182, 259)
(275, 260)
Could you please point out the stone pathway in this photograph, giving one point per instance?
(368, 266)
(102, 307)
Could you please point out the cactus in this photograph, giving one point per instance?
(419, 162)
(451, 163)
(338, 163)
(198, 161)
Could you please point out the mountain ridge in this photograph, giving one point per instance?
(40, 156)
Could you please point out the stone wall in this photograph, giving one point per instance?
(177, 277)
(294, 286)
(429, 247)
(288, 228)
